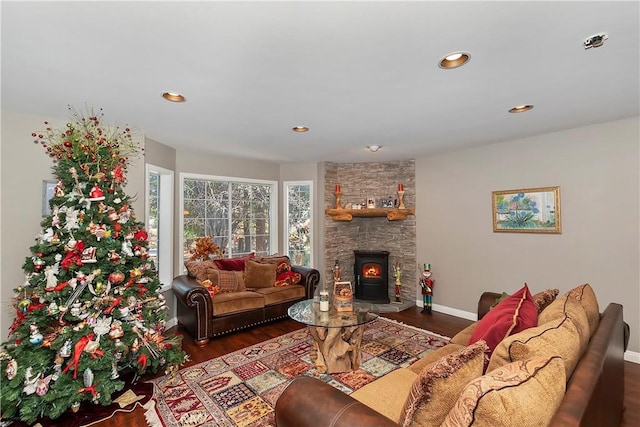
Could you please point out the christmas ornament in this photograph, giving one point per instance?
(114, 256)
(55, 239)
(116, 330)
(42, 386)
(35, 337)
(96, 194)
(75, 406)
(89, 255)
(116, 277)
(38, 262)
(12, 369)
(87, 377)
(30, 381)
(24, 304)
(75, 309)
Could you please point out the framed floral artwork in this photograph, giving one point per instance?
(527, 210)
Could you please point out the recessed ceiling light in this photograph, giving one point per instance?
(374, 148)
(454, 60)
(521, 108)
(300, 129)
(173, 97)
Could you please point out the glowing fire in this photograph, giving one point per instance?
(371, 271)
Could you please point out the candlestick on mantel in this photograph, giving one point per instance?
(400, 201)
(338, 189)
(338, 197)
(400, 187)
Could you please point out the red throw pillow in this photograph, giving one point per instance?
(512, 315)
(235, 264)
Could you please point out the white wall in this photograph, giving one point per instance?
(597, 169)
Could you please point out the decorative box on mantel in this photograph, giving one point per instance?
(392, 214)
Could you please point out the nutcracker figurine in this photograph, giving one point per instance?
(426, 283)
(397, 274)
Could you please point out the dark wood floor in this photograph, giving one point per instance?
(436, 322)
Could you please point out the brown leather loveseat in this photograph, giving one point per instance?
(205, 317)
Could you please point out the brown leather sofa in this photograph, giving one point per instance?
(594, 394)
(244, 309)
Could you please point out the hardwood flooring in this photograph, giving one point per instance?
(435, 322)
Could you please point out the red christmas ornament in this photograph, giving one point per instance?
(68, 144)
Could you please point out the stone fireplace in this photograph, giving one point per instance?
(360, 181)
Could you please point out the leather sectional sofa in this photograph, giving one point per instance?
(593, 392)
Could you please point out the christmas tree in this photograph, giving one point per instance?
(90, 308)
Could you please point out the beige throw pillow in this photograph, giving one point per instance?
(587, 298)
(525, 393)
(258, 275)
(438, 386)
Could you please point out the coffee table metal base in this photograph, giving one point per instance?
(336, 349)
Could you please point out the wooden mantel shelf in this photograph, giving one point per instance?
(349, 214)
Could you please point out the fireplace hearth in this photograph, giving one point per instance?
(371, 272)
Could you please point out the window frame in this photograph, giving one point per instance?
(165, 222)
(285, 235)
(273, 207)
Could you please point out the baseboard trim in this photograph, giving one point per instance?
(629, 356)
(450, 311)
(171, 323)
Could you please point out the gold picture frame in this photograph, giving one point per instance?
(527, 210)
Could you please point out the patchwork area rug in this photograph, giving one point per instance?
(241, 388)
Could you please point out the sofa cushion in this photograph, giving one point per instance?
(438, 386)
(198, 269)
(544, 298)
(524, 393)
(434, 356)
(226, 280)
(236, 264)
(514, 314)
(558, 337)
(258, 275)
(464, 335)
(277, 294)
(569, 307)
(275, 259)
(587, 298)
(236, 302)
(387, 394)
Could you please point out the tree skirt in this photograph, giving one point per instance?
(241, 388)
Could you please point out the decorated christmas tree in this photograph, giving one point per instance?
(90, 309)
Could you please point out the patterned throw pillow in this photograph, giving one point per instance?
(514, 314)
(198, 269)
(544, 298)
(558, 337)
(504, 397)
(439, 384)
(284, 275)
(227, 281)
(275, 259)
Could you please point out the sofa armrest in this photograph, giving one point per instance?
(487, 299)
(308, 401)
(194, 307)
(310, 278)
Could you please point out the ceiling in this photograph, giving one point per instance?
(355, 73)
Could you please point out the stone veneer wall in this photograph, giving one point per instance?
(360, 181)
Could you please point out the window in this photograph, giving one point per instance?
(240, 215)
(298, 217)
(159, 221)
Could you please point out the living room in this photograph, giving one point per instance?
(596, 166)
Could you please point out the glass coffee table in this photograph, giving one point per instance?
(336, 334)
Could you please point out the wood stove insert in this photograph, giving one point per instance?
(371, 272)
